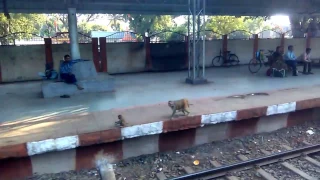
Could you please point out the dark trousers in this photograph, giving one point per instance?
(293, 65)
(68, 78)
(307, 65)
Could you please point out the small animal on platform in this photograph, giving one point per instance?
(122, 122)
(181, 105)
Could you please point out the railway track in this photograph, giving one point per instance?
(257, 165)
(256, 157)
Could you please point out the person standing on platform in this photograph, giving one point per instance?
(307, 63)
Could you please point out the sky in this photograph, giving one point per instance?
(280, 20)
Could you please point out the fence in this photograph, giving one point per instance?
(167, 36)
(125, 36)
(21, 38)
(269, 34)
(211, 35)
(63, 38)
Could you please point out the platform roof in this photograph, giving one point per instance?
(172, 7)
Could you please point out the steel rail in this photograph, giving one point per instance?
(249, 164)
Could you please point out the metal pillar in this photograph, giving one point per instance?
(194, 38)
(189, 53)
(196, 9)
(73, 33)
(204, 40)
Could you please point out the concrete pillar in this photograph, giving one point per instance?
(224, 46)
(73, 33)
(103, 54)
(186, 39)
(148, 53)
(48, 50)
(255, 45)
(308, 43)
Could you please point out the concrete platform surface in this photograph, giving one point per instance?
(25, 100)
(57, 89)
(80, 121)
(26, 117)
(87, 77)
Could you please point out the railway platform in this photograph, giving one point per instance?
(80, 127)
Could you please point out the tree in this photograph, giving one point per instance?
(301, 24)
(115, 21)
(82, 18)
(59, 23)
(162, 23)
(225, 25)
(27, 23)
(255, 25)
(140, 23)
(149, 23)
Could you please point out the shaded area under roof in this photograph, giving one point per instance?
(172, 7)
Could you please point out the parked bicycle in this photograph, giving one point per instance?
(256, 64)
(231, 59)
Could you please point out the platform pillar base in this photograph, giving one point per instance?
(196, 81)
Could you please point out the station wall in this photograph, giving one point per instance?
(126, 57)
(22, 63)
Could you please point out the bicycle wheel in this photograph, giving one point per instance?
(233, 59)
(254, 66)
(217, 61)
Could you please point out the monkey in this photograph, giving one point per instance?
(122, 122)
(181, 105)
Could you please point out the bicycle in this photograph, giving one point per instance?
(231, 59)
(257, 63)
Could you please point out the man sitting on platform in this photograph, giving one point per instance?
(291, 60)
(66, 71)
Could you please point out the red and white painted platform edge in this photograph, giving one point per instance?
(194, 121)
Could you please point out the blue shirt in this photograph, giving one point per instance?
(289, 56)
(66, 66)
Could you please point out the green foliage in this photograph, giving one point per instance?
(149, 23)
(27, 23)
(162, 23)
(141, 24)
(115, 21)
(224, 24)
(301, 24)
(59, 23)
(156, 24)
(219, 24)
(255, 25)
